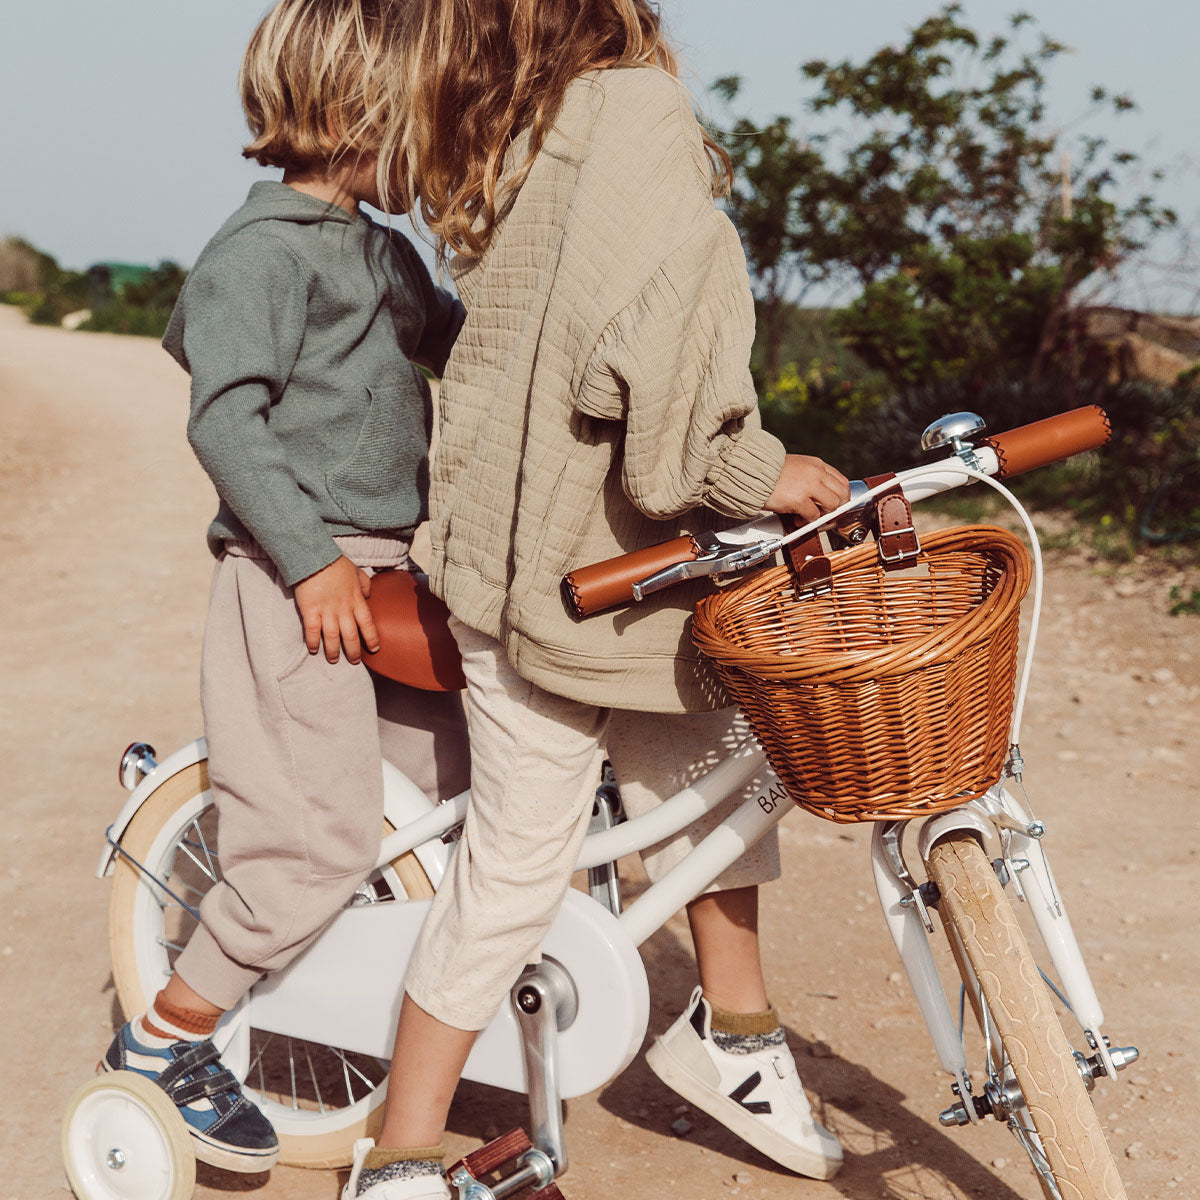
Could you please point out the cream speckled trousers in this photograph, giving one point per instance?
(535, 765)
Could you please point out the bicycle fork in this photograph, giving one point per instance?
(905, 903)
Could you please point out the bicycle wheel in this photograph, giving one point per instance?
(1051, 1114)
(319, 1098)
(123, 1139)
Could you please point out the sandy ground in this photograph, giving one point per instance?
(102, 512)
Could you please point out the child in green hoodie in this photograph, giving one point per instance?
(300, 325)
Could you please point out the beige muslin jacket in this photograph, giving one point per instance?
(598, 399)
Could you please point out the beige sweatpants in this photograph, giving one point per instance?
(535, 762)
(294, 749)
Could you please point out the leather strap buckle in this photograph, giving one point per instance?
(899, 545)
(811, 573)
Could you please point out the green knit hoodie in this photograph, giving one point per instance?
(299, 325)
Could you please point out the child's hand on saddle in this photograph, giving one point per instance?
(333, 609)
(808, 487)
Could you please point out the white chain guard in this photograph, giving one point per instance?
(345, 991)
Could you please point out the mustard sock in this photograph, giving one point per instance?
(746, 1033)
(745, 1024)
(384, 1156)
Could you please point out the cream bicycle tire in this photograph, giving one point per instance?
(1018, 1003)
(307, 1139)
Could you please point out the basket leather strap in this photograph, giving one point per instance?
(894, 529)
(806, 561)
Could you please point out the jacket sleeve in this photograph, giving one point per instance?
(674, 362)
(444, 313)
(238, 330)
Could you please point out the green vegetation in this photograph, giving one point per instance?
(926, 179)
(142, 304)
(1180, 606)
(925, 183)
(120, 297)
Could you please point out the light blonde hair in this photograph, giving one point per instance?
(313, 81)
(469, 75)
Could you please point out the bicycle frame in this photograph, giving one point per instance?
(602, 1008)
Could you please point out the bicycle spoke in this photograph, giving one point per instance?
(259, 1057)
(1063, 1000)
(292, 1073)
(312, 1074)
(347, 1063)
(211, 856)
(206, 868)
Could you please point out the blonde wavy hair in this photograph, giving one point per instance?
(470, 75)
(314, 81)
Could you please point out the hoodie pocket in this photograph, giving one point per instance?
(384, 484)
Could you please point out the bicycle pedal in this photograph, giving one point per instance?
(504, 1149)
(509, 1150)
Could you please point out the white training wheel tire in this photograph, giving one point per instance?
(123, 1139)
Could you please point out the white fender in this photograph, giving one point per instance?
(403, 802)
(183, 758)
(963, 819)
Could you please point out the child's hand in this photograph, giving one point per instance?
(808, 487)
(333, 608)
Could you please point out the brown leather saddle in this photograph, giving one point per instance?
(416, 645)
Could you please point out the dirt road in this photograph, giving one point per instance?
(102, 512)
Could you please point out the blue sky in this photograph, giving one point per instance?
(124, 129)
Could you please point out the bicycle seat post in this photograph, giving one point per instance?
(545, 1003)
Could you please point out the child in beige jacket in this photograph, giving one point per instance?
(597, 401)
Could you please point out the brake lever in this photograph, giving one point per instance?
(718, 558)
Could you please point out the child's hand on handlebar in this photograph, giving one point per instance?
(808, 487)
(333, 608)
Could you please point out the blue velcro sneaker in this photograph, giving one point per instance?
(228, 1130)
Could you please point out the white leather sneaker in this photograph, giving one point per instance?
(420, 1187)
(758, 1096)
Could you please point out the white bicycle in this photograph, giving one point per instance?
(312, 1042)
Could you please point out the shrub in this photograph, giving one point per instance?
(121, 317)
(818, 411)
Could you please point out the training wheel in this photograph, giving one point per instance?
(123, 1139)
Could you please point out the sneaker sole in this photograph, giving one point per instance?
(241, 1162)
(734, 1117)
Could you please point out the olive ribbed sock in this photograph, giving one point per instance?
(384, 1163)
(744, 1033)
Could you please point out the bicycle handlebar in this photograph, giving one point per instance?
(1043, 442)
(608, 584)
(611, 583)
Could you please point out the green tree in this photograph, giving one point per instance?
(142, 306)
(931, 183)
(771, 172)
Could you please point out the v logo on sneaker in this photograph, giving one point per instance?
(758, 1107)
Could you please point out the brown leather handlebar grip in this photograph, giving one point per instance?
(606, 584)
(1043, 442)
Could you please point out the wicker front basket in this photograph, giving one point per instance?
(890, 697)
